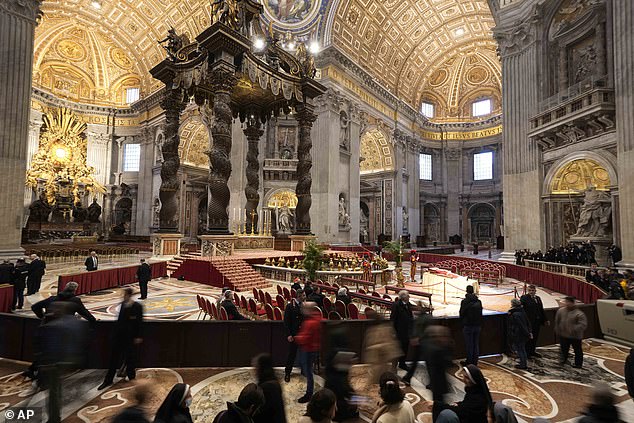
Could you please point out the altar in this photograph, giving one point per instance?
(288, 274)
(446, 284)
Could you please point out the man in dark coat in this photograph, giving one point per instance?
(92, 262)
(437, 347)
(144, 275)
(402, 318)
(471, 316)
(292, 321)
(519, 331)
(20, 273)
(67, 295)
(6, 272)
(36, 271)
(127, 335)
(592, 275)
(230, 307)
(534, 309)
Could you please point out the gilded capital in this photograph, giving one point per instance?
(24, 9)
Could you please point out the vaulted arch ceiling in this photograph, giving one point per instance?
(401, 42)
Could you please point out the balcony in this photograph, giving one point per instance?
(280, 169)
(584, 110)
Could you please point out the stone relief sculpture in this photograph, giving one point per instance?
(596, 211)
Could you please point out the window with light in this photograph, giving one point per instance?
(131, 157)
(425, 167)
(132, 95)
(427, 109)
(483, 166)
(482, 107)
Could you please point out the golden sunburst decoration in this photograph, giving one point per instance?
(61, 156)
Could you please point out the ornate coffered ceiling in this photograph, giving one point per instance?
(401, 42)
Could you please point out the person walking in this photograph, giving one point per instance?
(534, 309)
(422, 321)
(437, 347)
(570, 324)
(273, 409)
(292, 321)
(402, 318)
(309, 341)
(135, 413)
(519, 332)
(144, 276)
(37, 268)
(127, 335)
(628, 372)
(20, 273)
(471, 315)
(92, 262)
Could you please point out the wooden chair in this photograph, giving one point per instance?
(277, 313)
(327, 305)
(279, 300)
(376, 294)
(353, 311)
(261, 296)
(255, 294)
(333, 315)
(253, 308)
(361, 291)
(368, 310)
(223, 314)
(287, 294)
(317, 309)
(267, 298)
(236, 299)
(340, 307)
(243, 303)
(211, 309)
(269, 311)
(293, 293)
(279, 290)
(387, 297)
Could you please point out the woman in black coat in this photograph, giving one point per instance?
(273, 409)
(477, 402)
(175, 407)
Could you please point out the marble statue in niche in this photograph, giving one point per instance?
(284, 217)
(344, 131)
(405, 221)
(595, 214)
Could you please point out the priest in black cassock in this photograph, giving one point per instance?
(534, 309)
(127, 336)
(144, 275)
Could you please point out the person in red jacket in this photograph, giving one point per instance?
(309, 339)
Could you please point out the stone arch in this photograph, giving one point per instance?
(376, 151)
(194, 142)
(603, 159)
(281, 197)
(482, 222)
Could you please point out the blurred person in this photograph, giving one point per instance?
(570, 324)
(175, 406)
(421, 322)
(308, 288)
(471, 316)
(316, 297)
(296, 284)
(602, 409)
(135, 413)
(503, 414)
(273, 409)
(126, 338)
(447, 416)
(381, 347)
(615, 289)
(338, 364)
(20, 273)
(394, 408)
(615, 254)
(592, 275)
(534, 309)
(477, 402)
(629, 373)
(629, 284)
(438, 353)
(292, 321)
(519, 332)
(249, 403)
(6, 272)
(37, 268)
(230, 307)
(92, 262)
(402, 318)
(144, 276)
(309, 341)
(342, 295)
(321, 408)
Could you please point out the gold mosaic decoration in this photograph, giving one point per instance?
(283, 199)
(194, 143)
(61, 155)
(576, 176)
(376, 153)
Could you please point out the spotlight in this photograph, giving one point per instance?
(314, 47)
(96, 4)
(259, 44)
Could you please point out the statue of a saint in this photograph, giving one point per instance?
(80, 214)
(405, 221)
(342, 211)
(39, 210)
(596, 211)
(284, 220)
(94, 211)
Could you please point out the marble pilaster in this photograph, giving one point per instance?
(17, 26)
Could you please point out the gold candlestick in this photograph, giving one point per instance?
(253, 214)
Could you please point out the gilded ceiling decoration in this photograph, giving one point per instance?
(578, 175)
(376, 153)
(283, 199)
(455, 83)
(194, 143)
(400, 41)
(77, 62)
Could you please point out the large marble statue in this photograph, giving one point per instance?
(405, 221)
(80, 214)
(94, 211)
(284, 220)
(342, 211)
(39, 210)
(594, 219)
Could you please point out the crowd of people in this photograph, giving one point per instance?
(617, 285)
(409, 332)
(576, 254)
(22, 275)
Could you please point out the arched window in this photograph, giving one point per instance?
(482, 107)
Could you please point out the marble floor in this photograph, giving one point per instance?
(548, 390)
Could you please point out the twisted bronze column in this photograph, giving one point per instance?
(253, 132)
(223, 82)
(305, 117)
(173, 105)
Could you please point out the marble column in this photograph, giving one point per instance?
(523, 223)
(623, 38)
(305, 118)
(17, 26)
(173, 105)
(253, 132)
(220, 165)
